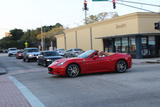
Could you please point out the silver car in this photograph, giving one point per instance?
(73, 52)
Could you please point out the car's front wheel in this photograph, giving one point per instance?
(73, 70)
(121, 66)
(45, 64)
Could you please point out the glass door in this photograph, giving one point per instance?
(152, 46)
(132, 46)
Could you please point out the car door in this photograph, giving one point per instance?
(93, 64)
(97, 64)
(105, 64)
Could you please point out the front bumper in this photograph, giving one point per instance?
(57, 70)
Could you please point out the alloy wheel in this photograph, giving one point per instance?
(73, 70)
(121, 66)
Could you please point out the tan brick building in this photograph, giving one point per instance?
(133, 33)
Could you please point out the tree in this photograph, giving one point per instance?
(16, 34)
(100, 17)
(32, 36)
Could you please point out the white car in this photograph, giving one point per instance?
(30, 54)
(12, 51)
(61, 51)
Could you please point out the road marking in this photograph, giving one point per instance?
(33, 100)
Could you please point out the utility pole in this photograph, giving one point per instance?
(42, 39)
(85, 10)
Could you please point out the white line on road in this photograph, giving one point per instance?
(33, 100)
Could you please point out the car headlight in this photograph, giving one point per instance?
(61, 63)
(48, 60)
(30, 55)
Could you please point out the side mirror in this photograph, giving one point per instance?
(95, 57)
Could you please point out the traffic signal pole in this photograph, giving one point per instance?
(85, 10)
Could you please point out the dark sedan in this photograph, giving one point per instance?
(47, 57)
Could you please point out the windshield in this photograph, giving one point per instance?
(61, 49)
(86, 54)
(12, 49)
(33, 50)
(51, 54)
(78, 49)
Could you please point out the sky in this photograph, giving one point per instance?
(30, 14)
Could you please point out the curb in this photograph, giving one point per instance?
(2, 71)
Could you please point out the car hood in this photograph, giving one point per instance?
(33, 53)
(12, 51)
(64, 60)
(52, 57)
(68, 59)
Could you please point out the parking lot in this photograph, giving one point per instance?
(138, 87)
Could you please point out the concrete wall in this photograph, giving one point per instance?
(60, 41)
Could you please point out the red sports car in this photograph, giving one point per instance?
(91, 62)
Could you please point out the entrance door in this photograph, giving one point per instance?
(158, 46)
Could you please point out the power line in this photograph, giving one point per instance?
(139, 3)
(136, 7)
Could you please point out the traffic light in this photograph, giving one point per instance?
(114, 4)
(157, 25)
(85, 5)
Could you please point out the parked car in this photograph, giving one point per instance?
(5, 51)
(30, 54)
(61, 51)
(19, 54)
(73, 52)
(47, 57)
(91, 62)
(12, 51)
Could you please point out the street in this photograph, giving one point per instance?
(138, 87)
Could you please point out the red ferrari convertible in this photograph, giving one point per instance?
(91, 62)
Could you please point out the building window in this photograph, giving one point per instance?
(118, 45)
(125, 45)
(152, 46)
(108, 43)
(132, 46)
(144, 51)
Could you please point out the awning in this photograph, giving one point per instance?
(126, 35)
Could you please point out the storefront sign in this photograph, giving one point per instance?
(120, 26)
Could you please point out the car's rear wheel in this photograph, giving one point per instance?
(121, 66)
(24, 59)
(27, 60)
(38, 63)
(73, 70)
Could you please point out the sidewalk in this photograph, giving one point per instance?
(146, 61)
(10, 96)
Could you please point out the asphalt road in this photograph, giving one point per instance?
(138, 87)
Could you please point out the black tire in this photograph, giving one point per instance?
(38, 62)
(24, 60)
(45, 64)
(73, 70)
(27, 60)
(121, 66)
